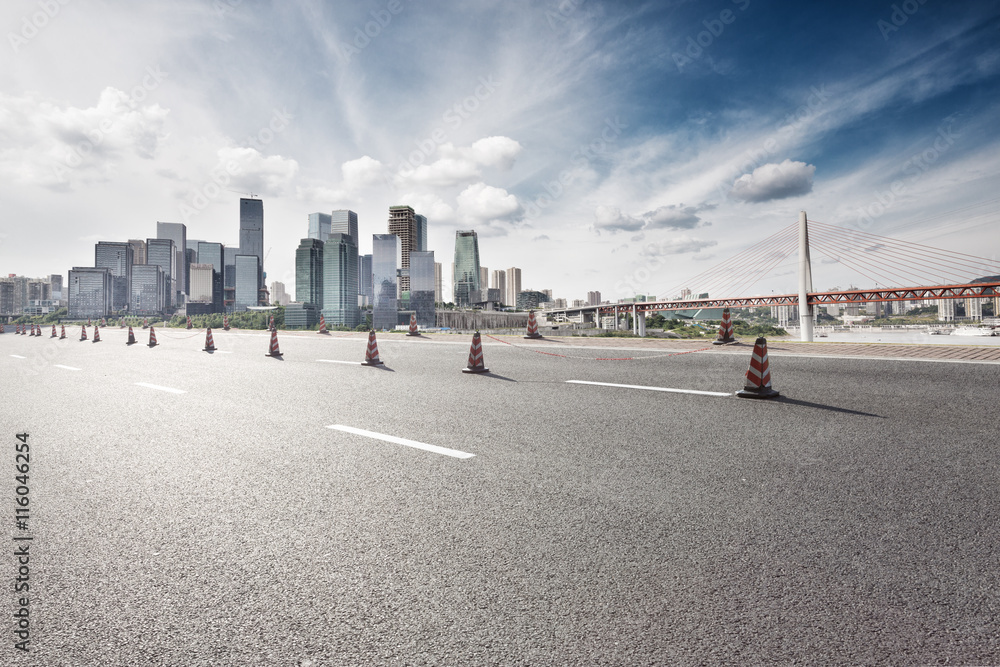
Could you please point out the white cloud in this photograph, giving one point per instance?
(457, 165)
(362, 172)
(611, 219)
(482, 205)
(775, 181)
(271, 175)
(678, 245)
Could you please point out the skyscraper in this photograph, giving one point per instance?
(593, 298)
(138, 251)
(148, 290)
(176, 232)
(309, 272)
(90, 291)
(252, 233)
(385, 261)
(421, 244)
(422, 287)
(403, 223)
(163, 253)
(345, 222)
(484, 281)
(118, 258)
(438, 292)
(200, 289)
(340, 281)
(500, 282)
(513, 286)
(319, 226)
(214, 254)
(467, 285)
(278, 293)
(247, 281)
(365, 288)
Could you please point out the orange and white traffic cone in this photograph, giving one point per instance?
(273, 350)
(322, 324)
(97, 334)
(209, 342)
(131, 337)
(532, 326)
(725, 329)
(152, 337)
(2, 331)
(413, 326)
(476, 363)
(225, 322)
(145, 323)
(32, 330)
(88, 322)
(371, 354)
(54, 334)
(758, 383)
(24, 330)
(189, 322)
(62, 331)
(83, 332)
(271, 323)
(104, 321)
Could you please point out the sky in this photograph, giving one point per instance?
(623, 147)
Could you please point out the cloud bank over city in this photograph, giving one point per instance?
(572, 136)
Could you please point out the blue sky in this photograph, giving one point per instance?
(621, 147)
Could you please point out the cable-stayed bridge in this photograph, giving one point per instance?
(900, 271)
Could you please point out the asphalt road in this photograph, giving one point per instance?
(852, 521)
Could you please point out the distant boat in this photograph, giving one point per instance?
(972, 331)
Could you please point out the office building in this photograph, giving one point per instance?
(530, 299)
(385, 262)
(56, 281)
(499, 282)
(438, 291)
(467, 275)
(422, 287)
(319, 226)
(340, 281)
(309, 272)
(252, 236)
(117, 257)
(301, 315)
(593, 298)
(138, 251)
(163, 253)
(90, 292)
(149, 288)
(229, 276)
(201, 287)
(176, 232)
(421, 242)
(215, 254)
(345, 222)
(513, 286)
(484, 281)
(247, 289)
(403, 223)
(278, 294)
(365, 289)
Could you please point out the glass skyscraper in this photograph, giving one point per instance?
(467, 285)
(340, 281)
(385, 261)
(247, 281)
(422, 287)
(90, 290)
(118, 257)
(162, 253)
(319, 226)
(252, 234)
(345, 222)
(421, 244)
(176, 232)
(365, 278)
(148, 289)
(309, 272)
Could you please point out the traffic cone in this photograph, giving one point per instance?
(145, 323)
(32, 330)
(413, 325)
(532, 326)
(322, 324)
(24, 330)
(97, 334)
(104, 322)
(189, 322)
(273, 350)
(62, 331)
(725, 329)
(83, 332)
(271, 323)
(152, 337)
(88, 322)
(758, 375)
(209, 343)
(476, 363)
(225, 322)
(1, 329)
(54, 334)
(371, 354)
(131, 337)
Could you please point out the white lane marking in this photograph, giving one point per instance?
(69, 368)
(635, 386)
(161, 388)
(18, 356)
(403, 441)
(335, 361)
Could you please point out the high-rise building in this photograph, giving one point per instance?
(163, 253)
(201, 288)
(421, 244)
(90, 292)
(467, 275)
(484, 281)
(7, 297)
(278, 294)
(438, 292)
(252, 234)
(229, 275)
(56, 280)
(309, 272)
(176, 232)
(319, 226)
(403, 223)
(214, 254)
(422, 287)
(247, 282)
(513, 286)
(340, 281)
(365, 289)
(149, 288)
(138, 251)
(385, 262)
(345, 222)
(593, 298)
(118, 258)
(500, 282)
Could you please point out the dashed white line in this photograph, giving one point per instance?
(403, 441)
(69, 368)
(161, 388)
(337, 361)
(18, 356)
(668, 389)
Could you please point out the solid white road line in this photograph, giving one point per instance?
(69, 368)
(403, 441)
(18, 356)
(161, 388)
(634, 386)
(335, 361)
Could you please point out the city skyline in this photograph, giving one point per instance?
(588, 140)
